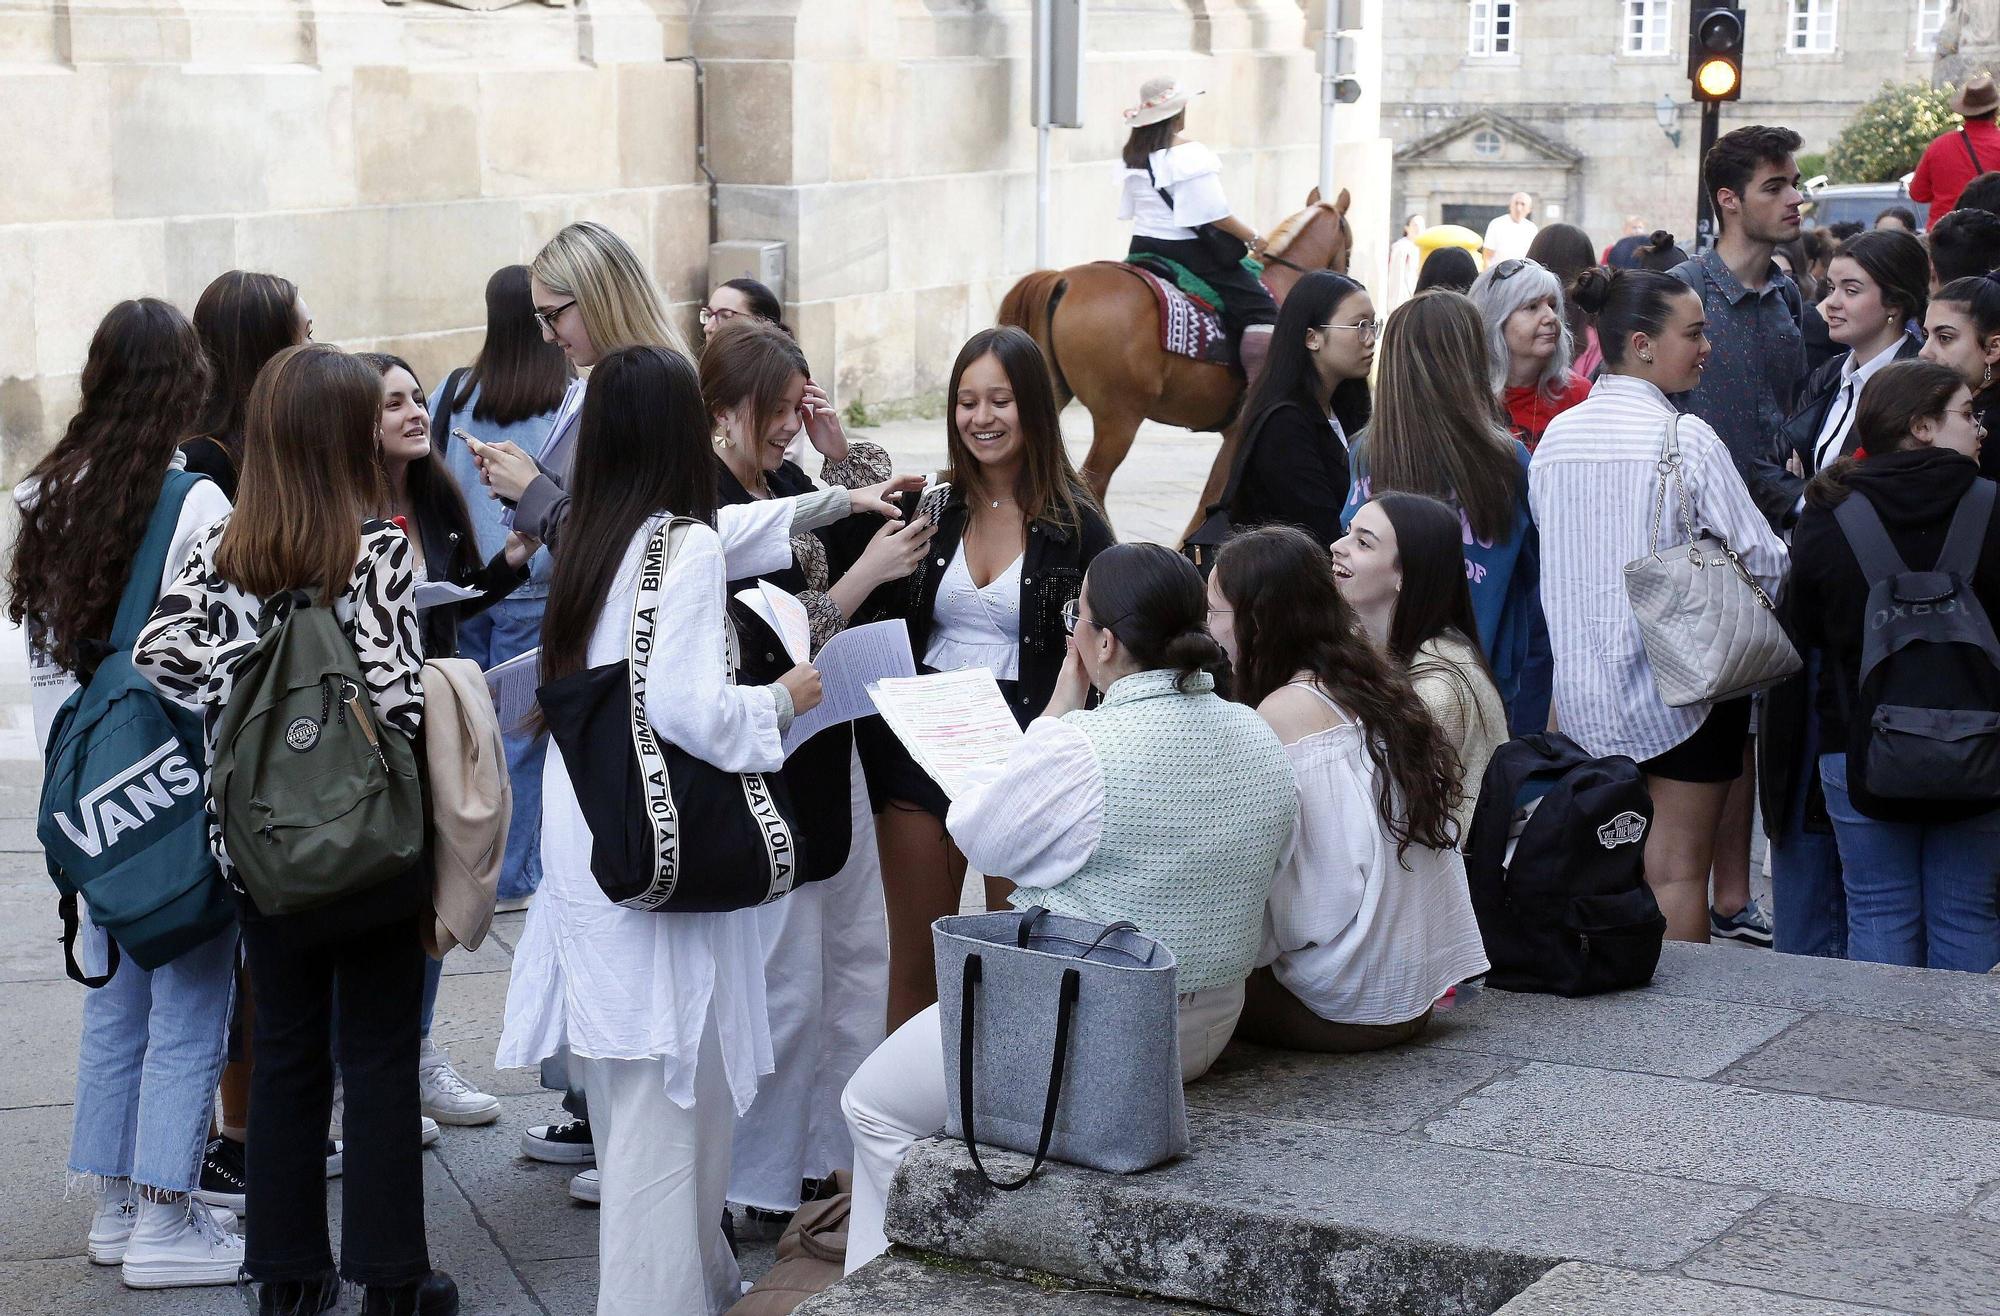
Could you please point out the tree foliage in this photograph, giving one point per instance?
(1888, 135)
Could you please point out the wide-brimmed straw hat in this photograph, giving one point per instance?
(1160, 99)
(1977, 96)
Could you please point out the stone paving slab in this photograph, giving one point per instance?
(912, 1288)
(1842, 987)
(525, 1204)
(1380, 1091)
(38, 1036)
(1622, 1030)
(1859, 1254)
(1279, 1216)
(1579, 1289)
(1951, 1070)
(40, 1224)
(1873, 1155)
(471, 1007)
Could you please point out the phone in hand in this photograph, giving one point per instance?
(928, 501)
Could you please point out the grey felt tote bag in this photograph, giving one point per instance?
(1061, 1039)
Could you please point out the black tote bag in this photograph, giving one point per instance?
(669, 832)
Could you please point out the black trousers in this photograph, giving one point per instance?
(377, 976)
(1245, 299)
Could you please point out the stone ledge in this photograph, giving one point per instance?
(910, 1286)
(1578, 1289)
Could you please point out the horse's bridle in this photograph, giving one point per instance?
(1269, 259)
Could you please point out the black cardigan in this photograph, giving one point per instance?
(447, 557)
(1052, 568)
(1915, 492)
(1800, 433)
(1294, 471)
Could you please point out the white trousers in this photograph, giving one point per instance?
(898, 1096)
(826, 985)
(665, 1170)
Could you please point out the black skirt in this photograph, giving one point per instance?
(1714, 753)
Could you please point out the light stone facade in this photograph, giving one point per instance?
(1574, 114)
(388, 156)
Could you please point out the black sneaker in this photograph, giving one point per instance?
(559, 1144)
(434, 1295)
(223, 1182)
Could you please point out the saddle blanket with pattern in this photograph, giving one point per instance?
(1188, 327)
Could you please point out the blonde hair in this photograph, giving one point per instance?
(1437, 427)
(620, 304)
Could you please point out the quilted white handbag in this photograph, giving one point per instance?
(1709, 628)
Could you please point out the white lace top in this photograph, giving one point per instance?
(974, 627)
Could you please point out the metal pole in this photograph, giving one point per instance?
(1328, 74)
(1707, 227)
(1045, 87)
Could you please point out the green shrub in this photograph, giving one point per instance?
(1889, 133)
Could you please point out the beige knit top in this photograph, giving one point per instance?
(1464, 702)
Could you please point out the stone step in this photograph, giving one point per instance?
(907, 1286)
(1577, 1289)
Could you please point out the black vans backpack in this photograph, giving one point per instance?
(1567, 910)
(1924, 738)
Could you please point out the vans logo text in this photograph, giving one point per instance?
(130, 800)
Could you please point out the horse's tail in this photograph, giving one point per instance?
(1031, 305)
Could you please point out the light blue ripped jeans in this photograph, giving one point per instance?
(146, 1069)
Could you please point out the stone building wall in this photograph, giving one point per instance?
(388, 156)
(1568, 82)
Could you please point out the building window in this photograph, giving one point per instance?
(1930, 18)
(1486, 144)
(1645, 28)
(1812, 25)
(1492, 29)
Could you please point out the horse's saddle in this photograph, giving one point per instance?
(1189, 326)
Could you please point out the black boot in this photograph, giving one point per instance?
(434, 1295)
(295, 1297)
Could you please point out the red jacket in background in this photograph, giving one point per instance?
(1531, 413)
(1946, 167)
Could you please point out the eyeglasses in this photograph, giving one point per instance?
(1971, 416)
(717, 315)
(1507, 269)
(1070, 617)
(553, 314)
(1369, 330)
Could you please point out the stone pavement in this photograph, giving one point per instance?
(503, 1225)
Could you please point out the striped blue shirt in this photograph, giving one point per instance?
(1592, 487)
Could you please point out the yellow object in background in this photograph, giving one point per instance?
(1450, 235)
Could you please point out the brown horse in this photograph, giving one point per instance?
(1099, 329)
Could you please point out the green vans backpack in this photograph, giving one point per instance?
(317, 800)
(121, 820)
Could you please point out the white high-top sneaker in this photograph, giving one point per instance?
(444, 1094)
(117, 1212)
(180, 1245)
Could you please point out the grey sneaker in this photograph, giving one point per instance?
(1751, 924)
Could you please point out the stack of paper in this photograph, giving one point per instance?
(953, 723)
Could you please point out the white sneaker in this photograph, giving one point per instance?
(178, 1245)
(117, 1212)
(586, 1187)
(446, 1096)
(427, 1128)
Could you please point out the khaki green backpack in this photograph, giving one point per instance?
(316, 799)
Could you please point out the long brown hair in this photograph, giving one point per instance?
(309, 474)
(1148, 138)
(519, 375)
(142, 384)
(750, 360)
(1437, 427)
(244, 320)
(1290, 619)
(1048, 488)
(1893, 400)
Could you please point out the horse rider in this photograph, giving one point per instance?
(1172, 193)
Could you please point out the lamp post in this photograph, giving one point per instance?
(1668, 116)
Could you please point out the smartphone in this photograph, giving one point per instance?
(928, 501)
(473, 446)
(470, 442)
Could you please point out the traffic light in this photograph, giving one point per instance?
(1715, 52)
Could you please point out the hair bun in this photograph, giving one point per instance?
(1660, 240)
(1592, 289)
(1191, 652)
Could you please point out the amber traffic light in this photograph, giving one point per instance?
(1715, 52)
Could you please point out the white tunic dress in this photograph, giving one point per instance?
(619, 984)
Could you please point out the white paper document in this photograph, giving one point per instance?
(513, 685)
(433, 593)
(783, 614)
(849, 663)
(951, 722)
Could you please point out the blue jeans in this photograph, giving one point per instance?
(1811, 914)
(147, 1066)
(506, 630)
(1924, 894)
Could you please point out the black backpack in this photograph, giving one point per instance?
(1567, 911)
(1924, 737)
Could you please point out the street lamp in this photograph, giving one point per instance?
(1668, 116)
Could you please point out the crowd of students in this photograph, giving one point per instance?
(1272, 770)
